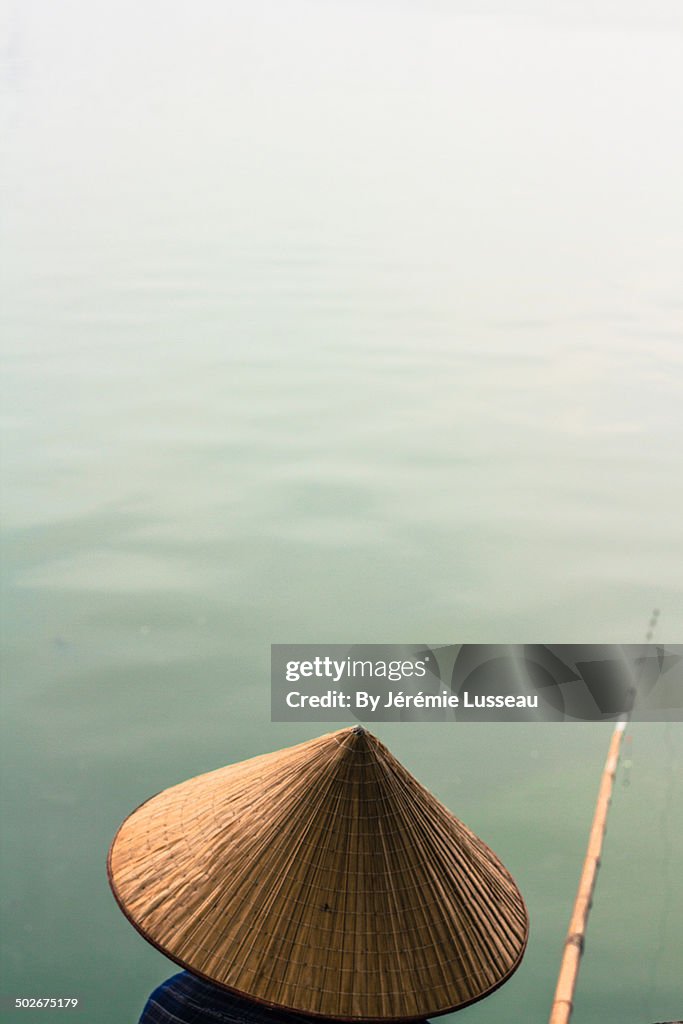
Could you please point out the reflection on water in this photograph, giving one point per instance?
(356, 323)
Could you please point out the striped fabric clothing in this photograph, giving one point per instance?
(186, 999)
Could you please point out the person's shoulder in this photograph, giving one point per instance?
(166, 1003)
(188, 999)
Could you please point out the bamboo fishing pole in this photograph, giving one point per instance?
(573, 947)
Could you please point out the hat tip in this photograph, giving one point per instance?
(358, 730)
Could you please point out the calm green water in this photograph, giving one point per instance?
(335, 322)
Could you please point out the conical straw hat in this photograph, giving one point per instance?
(322, 879)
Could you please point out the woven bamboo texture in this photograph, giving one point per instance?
(322, 879)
